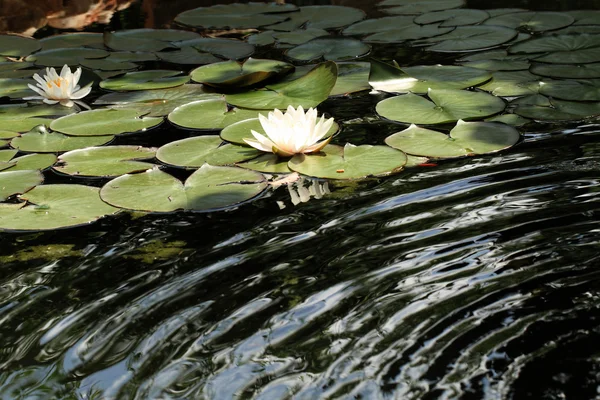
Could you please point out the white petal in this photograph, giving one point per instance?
(266, 142)
(34, 98)
(49, 101)
(66, 103)
(76, 76)
(82, 104)
(65, 71)
(39, 79)
(37, 90)
(80, 94)
(258, 145)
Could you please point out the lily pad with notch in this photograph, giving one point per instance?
(73, 39)
(233, 74)
(561, 49)
(513, 83)
(209, 188)
(267, 163)
(446, 105)
(410, 7)
(17, 46)
(109, 161)
(231, 49)
(582, 90)
(379, 25)
(187, 55)
(27, 162)
(70, 56)
(145, 80)
(352, 77)
(405, 33)
(104, 122)
(496, 60)
(335, 49)
(542, 108)
(122, 41)
(532, 21)
(40, 140)
(321, 17)
(580, 71)
(208, 115)
(470, 38)
(23, 117)
(465, 139)
(16, 182)
(454, 17)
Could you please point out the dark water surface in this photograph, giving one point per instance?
(478, 278)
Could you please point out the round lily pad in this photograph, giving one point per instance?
(103, 122)
(321, 17)
(158, 102)
(108, 64)
(15, 70)
(420, 79)
(307, 91)
(455, 17)
(404, 33)
(588, 90)
(349, 162)
(298, 36)
(69, 56)
(509, 119)
(236, 133)
(235, 16)
(165, 35)
(208, 115)
(585, 17)
(73, 39)
(465, 139)
(542, 108)
(409, 7)
(121, 41)
(16, 88)
(14, 182)
(54, 206)
(145, 80)
(226, 48)
(6, 136)
(532, 21)
(106, 161)
(377, 25)
(267, 163)
(561, 49)
(328, 49)
(496, 60)
(512, 83)
(194, 152)
(23, 117)
(17, 46)
(579, 71)
(469, 38)
(208, 188)
(446, 105)
(39, 140)
(26, 162)
(187, 55)
(238, 75)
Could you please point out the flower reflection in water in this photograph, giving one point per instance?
(304, 189)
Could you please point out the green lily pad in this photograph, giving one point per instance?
(208, 188)
(109, 161)
(54, 206)
(352, 77)
(165, 35)
(132, 56)
(121, 41)
(264, 38)
(465, 139)
(469, 38)
(349, 162)
(541, 108)
(409, 7)
(26, 162)
(103, 122)
(328, 49)
(69, 56)
(572, 90)
(233, 74)
(405, 33)
(39, 140)
(231, 49)
(21, 117)
(15, 182)
(420, 79)
(187, 55)
(158, 102)
(208, 115)
(145, 80)
(107, 64)
(446, 105)
(6, 136)
(321, 17)
(298, 37)
(512, 83)
(267, 163)
(307, 91)
(16, 88)
(455, 17)
(532, 21)
(73, 39)
(236, 133)
(8, 67)
(234, 16)
(509, 119)
(195, 151)
(377, 25)
(580, 71)
(561, 49)
(496, 60)
(17, 46)
(494, 12)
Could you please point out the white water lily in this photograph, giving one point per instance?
(62, 89)
(292, 132)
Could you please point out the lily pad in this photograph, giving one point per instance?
(541, 108)
(22, 117)
(349, 162)
(446, 105)
(321, 17)
(496, 60)
(233, 74)
(165, 35)
(509, 119)
(580, 71)
(14, 182)
(17, 46)
(69, 56)
(208, 115)
(39, 140)
(236, 133)
(513, 83)
(561, 49)
(267, 163)
(298, 37)
(106, 161)
(235, 16)
(54, 206)
(532, 21)
(470, 38)
(352, 77)
(145, 80)
(16, 88)
(226, 48)
(420, 79)
(377, 25)
(6, 136)
(328, 49)
(404, 33)
(196, 151)
(465, 139)
(103, 122)
(410, 7)
(187, 55)
(26, 162)
(455, 17)
(158, 102)
(588, 90)
(585, 17)
(307, 91)
(208, 188)
(73, 39)
(121, 41)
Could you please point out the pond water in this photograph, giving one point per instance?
(470, 278)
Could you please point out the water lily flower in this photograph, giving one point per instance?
(62, 89)
(292, 132)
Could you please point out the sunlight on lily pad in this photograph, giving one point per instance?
(104, 122)
(208, 115)
(512, 83)
(109, 161)
(40, 140)
(145, 80)
(580, 71)
(561, 49)
(26, 162)
(532, 21)
(267, 163)
(328, 49)
(321, 17)
(583, 90)
(234, 74)
(14, 182)
(542, 108)
(238, 16)
(469, 38)
(17, 46)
